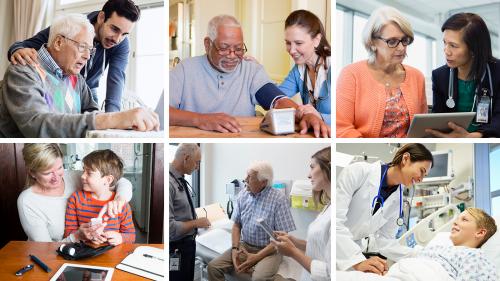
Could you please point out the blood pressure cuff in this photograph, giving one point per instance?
(267, 94)
(77, 251)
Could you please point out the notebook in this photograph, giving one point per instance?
(145, 261)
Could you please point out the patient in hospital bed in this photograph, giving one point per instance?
(462, 261)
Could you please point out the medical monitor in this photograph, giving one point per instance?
(442, 169)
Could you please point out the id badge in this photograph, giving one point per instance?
(483, 109)
(175, 261)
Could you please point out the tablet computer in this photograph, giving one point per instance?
(266, 228)
(437, 121)
(78, 272)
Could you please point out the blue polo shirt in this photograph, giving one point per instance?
(198, 87)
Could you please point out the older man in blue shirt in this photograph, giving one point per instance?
(251, 251)
(208, 91)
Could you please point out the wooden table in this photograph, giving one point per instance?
(14, 256)
(249, 125)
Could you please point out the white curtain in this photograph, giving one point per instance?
(28, 18)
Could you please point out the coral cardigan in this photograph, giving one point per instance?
(361, 100)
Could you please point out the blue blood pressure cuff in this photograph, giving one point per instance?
(267, 95)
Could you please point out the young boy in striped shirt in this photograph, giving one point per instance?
(101, 170)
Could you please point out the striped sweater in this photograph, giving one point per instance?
(82, 207)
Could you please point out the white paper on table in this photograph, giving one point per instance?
(217, 240)
(137, 263)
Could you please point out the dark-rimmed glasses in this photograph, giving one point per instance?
(238, 51)
(393, 42)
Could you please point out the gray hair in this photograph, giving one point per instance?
(217, 21)
(69, 26)
(378, 19)
(264, 171)
(186, 149)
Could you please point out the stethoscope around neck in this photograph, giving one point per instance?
(450, 102)
(306, 90)
(380, 200)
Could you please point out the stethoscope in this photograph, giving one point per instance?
(306, 90)
(380, 200)
(450, 102)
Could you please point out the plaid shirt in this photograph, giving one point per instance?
(49, 62)
(269, 204)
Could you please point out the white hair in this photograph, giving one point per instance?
(378, 19)
(186, 149)
(215, 22)
(69, 26)
(264, 171)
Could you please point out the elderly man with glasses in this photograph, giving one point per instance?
(51, 98)
(207, 91)
(112, 26)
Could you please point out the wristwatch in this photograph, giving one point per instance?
(235, 248)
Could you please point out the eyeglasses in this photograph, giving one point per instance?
(238, 51)
(82, 47)
(393, 42)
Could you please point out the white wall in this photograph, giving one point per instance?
(224, 162)
(6, 27)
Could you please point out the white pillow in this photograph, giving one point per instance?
(441, 238)
(492, 246)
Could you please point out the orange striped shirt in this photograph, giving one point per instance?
(82, 207)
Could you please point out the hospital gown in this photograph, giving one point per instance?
(462, 263)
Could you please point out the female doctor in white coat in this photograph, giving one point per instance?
(369, 207)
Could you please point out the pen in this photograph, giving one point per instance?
(24, 269)
(40, 263)
(152, 257)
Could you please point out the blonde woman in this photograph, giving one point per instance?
(378, 97)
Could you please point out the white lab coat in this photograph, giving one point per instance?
(357, 185)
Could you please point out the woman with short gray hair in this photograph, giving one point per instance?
(378, 97)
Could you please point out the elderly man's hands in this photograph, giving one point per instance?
(139, 119)
(24, 56)
(250, 261)
(311, 121)
(219, 122)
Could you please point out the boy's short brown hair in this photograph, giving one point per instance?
(106, 162)
(483, 220)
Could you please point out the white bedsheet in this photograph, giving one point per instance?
(408, 269)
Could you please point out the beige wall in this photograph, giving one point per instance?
(463, 159)
(204, 10)
(6, 27)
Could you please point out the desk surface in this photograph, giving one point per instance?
(250, 129)
(14, 256)
(116, 133)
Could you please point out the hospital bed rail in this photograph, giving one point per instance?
(423, 232)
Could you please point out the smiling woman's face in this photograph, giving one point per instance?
(52, 177)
